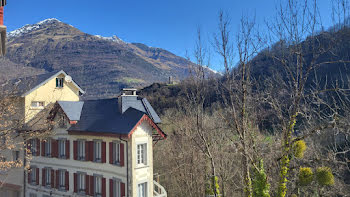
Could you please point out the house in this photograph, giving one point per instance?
(94, 147)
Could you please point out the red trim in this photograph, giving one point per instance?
(150, 121)
(73, 122)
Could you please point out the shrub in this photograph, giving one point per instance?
(305, 176)
(260, 185)
(324, 176)
(299, 148)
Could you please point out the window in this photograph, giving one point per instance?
(15, 155)
(81, 150)
(33, 146)
(116, 153)
(33, 177)
(48, 148)
(81, 182)
(98, 186)
(116, 188)
(61, 179)
(141, 154)
(142, 190)
(62, 148)
(37, 104)
(32, 195)
(59, 82)
(97, 151)
(48, 177)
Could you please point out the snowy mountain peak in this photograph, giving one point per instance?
(113, 38)
(28, 28)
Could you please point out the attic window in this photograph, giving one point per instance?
(59, 82)
(37, 104)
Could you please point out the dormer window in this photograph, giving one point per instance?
(37, 104)
(59, 82)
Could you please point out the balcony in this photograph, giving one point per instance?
(159, 190)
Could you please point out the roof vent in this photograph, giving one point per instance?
(129, 92)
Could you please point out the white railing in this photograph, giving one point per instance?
(158, 190)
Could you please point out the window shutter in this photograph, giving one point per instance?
(110, 187)
(122, 189)
(103, 187)
(91, 146)
(87, 184)
(43, 177)
(52, 178)
(37, 147)
(75, 150)
(66, 179)
(57, 179)
(37, 176)
(43, 148)
(87, 151)
(75, 183)
(111, 152)
(92, 186)
(103, 152)
(54, 145)
(29, 175)
(67, 149)
(121, 149)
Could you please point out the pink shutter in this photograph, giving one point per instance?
(75, 150)
(121, 154)
(57, 179)
(75, 183)
(111, 187)
(66, 179)
(103, 152)
(37, 176)
(30, 175)
(43, 177)
(37, 147)
(87, 151)
(111, 152)
(67, 149)
(122, 189)
(103, 187)
(52, 178)
(43, 148)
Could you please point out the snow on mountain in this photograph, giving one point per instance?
(28, 28)
(113, 38)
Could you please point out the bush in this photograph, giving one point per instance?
(261, 187)
(305, 176)
(299, 148)
(324, 176)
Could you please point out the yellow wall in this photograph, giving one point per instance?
(48, 93)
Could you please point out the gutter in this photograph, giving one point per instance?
(127, 166)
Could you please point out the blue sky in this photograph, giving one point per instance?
(168, 24)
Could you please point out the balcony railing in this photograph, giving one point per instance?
(159, 190)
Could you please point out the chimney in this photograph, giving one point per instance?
(129, 92)
(128, 99)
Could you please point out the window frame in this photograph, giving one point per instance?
(33, 143)
(33, 177)
(97, 178)
(145, 191)
(62, 179)
(96, 153)
(81, 149)
(62, 145)
(141, 154)
(59, 82)
(39, 105)
(81, 177)
(15, 155)
(116, 152)
(116, 187)
(48, 177)
(48, 147)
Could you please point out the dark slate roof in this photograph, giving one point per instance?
(117, 115)
(105, 116)
(21, 86)
(72, 109)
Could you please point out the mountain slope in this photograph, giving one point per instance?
(100, 65)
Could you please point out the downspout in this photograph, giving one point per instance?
(24, 171)
(127, 165)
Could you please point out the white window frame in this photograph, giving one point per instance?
(141, 154)
(116, 187)
(59, 82)
(81, 150)
(98, 185)
(81, 182)
(62, 179)
(37, 105)
(33, 175)
(144, 187)
(62, 148)
(97, 151)
(48, 177)
(48, 148)
(116, 152)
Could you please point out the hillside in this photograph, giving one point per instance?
(101, 65)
